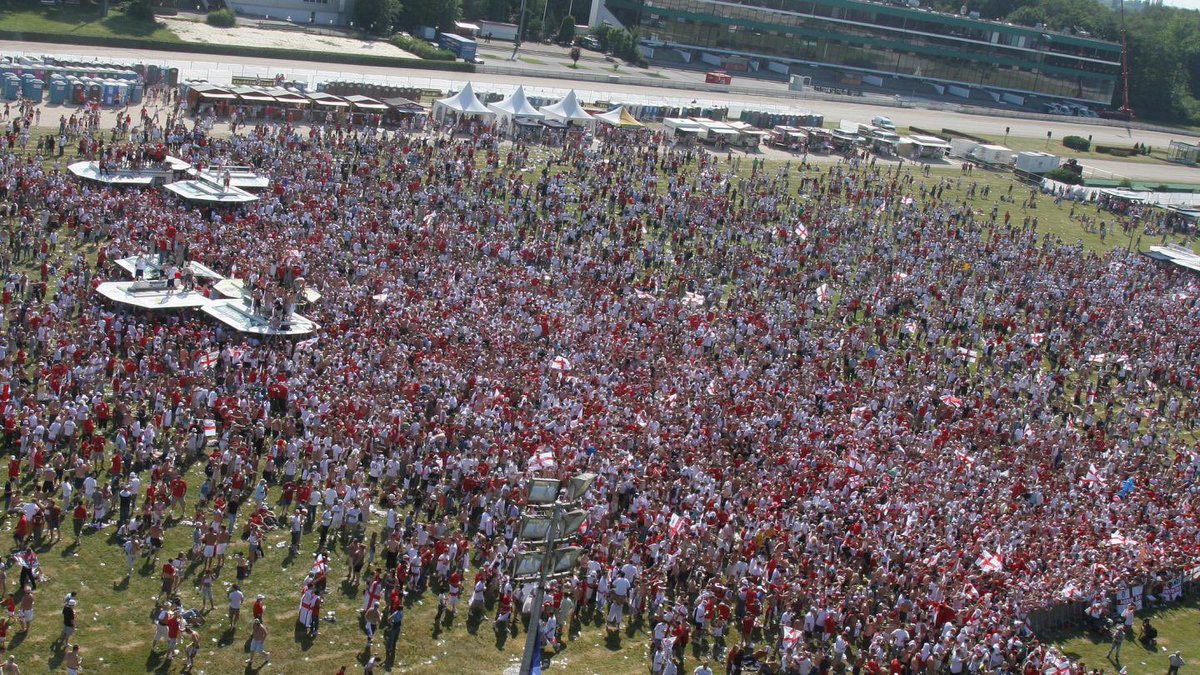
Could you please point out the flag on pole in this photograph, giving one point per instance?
(791, 637)
(1092, 479)
(990, 562)
(676, 524)
(952, 401)
(971, 591)
(208, 359)
(1126, 488)
(802, 232)
(542, 460)
(823, 293)
(210, 428)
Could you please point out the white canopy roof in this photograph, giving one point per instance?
(568, 110)
(619, 117)
(516, 105)
(464, 102)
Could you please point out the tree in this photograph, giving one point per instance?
(440, 14)
(376, 16)
(575, 54)
(140, 9)
(566, 30)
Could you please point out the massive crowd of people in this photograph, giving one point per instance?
(844, 417)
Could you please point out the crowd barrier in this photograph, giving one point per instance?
(1071, 614)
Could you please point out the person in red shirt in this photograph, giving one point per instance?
(259, 606)
(173, 629)
(78, 518)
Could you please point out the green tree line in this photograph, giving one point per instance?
(1164, 47)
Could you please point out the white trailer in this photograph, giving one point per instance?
(1036, 162)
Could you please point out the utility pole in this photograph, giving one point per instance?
(539, 594)
(520, 32)
(1125, 110)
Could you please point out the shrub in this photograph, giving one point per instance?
(422, 48)
(1115, 151)
(140, 9)
(1063, 175)
(221, 18)
(1077, 143)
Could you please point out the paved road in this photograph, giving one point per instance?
(219, 69)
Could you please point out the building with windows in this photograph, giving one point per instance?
(897, 48)
(313, 12)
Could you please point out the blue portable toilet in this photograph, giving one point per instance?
(36, 92)
(59, 88)
(27, 81)
(78, 91)
(136, 91)
(122, 92)
(108, 90)
(12, 87)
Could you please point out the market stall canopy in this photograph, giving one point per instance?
(619, 117)
(210, 92)
(328, 100)
(404, 106)
(253, 95)
(361, 102)
(288, 96)
(464, 102)
(569, 111)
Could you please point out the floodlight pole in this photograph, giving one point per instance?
(539, 594)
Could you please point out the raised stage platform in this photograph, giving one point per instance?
(145, 177)
(235, 314)
(239, 177)
(150, 295)
(236, 288)
(199, 270)
(202, 190)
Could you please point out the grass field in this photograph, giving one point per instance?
(114, 612)
(83, 19)
(1179, 629)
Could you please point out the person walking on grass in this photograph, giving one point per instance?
(258, 643)
(235, 606)
(1118, 638)
(73, 661)
(1175, 663)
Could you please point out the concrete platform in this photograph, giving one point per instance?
(199, 270)
(210, 193)
(150, 295)
(236, 315)
(131, 177)
(236, 288)
(239, 177)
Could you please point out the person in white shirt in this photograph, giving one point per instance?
(703, 669)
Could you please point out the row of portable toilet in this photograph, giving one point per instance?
(46, 71)
(15, 87)
(72, 90)
(106, 92)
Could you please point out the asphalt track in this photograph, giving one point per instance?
(218, 68)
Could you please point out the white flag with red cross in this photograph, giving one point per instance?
(990, 562)
(676, 525)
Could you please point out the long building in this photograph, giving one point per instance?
(884, 45)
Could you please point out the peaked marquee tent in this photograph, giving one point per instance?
(569, 112)
(515, 107)
(619, 117)
(465, 103)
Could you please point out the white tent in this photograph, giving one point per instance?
(515, 107)
(464, 103)
(568, 111)
(619, 117)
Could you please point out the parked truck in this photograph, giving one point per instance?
(463, 48)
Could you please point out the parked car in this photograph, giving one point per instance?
(883, 123)
(590, 42)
